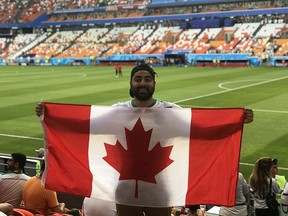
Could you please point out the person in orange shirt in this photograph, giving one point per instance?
(38, 198)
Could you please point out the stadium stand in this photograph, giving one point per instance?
(62, 32)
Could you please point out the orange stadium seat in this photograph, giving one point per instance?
(22, 212)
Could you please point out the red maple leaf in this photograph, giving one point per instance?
(137, 162)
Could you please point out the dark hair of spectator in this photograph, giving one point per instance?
(19, 158)
(275, 161)
(193, 209)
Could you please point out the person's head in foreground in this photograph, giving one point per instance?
(142, 83)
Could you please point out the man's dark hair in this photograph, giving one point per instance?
(275, 161)
(19, 158)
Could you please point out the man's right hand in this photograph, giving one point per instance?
(39, 109)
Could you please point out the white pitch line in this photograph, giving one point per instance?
(271, 111)
(22, 137)
(228, 90)
(221, 85)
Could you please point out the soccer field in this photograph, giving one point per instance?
(264, 89)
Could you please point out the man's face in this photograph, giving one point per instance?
(11, 164)
(142, 85)
(274, 170)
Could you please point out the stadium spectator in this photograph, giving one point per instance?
(281, 180)
(259, 182)
(242, 198)
(6, 208)
(40, 152)
(11, 183)
(284, 200)
(142, 86)
(39, 199)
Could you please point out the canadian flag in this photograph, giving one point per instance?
(143, 156)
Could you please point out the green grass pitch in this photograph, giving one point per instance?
(264, 89)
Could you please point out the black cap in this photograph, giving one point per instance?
(139, 67)
(145, 67)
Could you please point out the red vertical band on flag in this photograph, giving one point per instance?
(215, 143)
(67, 130)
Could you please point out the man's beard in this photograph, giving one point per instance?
(142, 96)
(11, 168)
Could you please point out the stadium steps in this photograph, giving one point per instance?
(257, 30)
(18, 15)
(71, 43)
(7, 44)
(105, 51)
(149, 35)
(31, 45)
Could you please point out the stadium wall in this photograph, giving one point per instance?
(191, 59)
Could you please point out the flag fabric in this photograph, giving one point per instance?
(142, 156)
